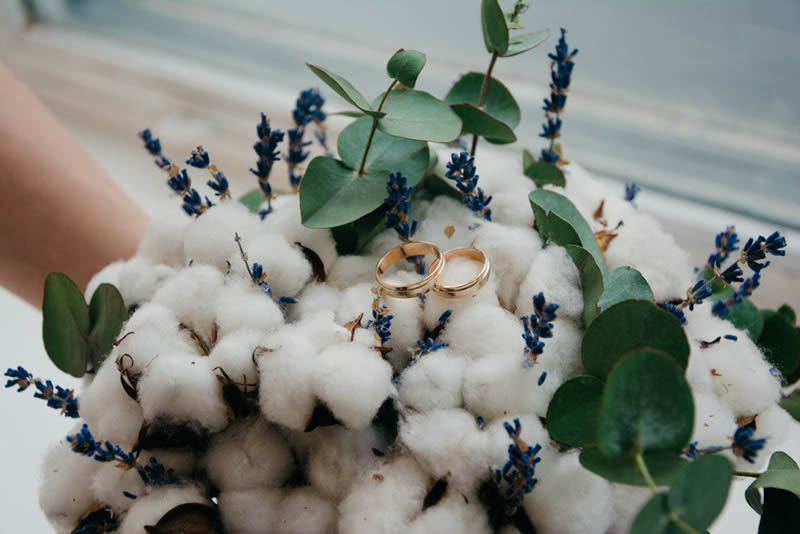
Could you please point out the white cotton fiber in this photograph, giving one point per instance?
(433, 381)
(774, 424)
(584, 191)
(714, 422)
(454, 513)
(483, 329)
(152, 330)
(305, 511)
(353, 381)
(249, 454)
(162, 241)
(553, 273)
(148, 509)
(406, 322)
(570, 500)
(351, 270)
(210, 239)
(285, 221)
(234, 355)
(628, 500)
(249, 511)
(336, 456)
(287, 269)
(286, 389)
(107, 275)
(354, 301)
(562, 352)
(511, 252)
(183, 388)
(512, 208)
(109, 483)
(697, 372)
(459, 271)
(315, 298)
(242, 305)
(65, 478)
(139, 279)
(385, 499)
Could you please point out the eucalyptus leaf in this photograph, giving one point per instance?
(493, 24)
(782, 473)
(348, 113)
(788, 312)
(107, 313)
(342, 87)
(413, 114)
(624, 283)
(664, 467)
(65, 324)
(779, 514)
(698, 495)
(478, 122)
(351, 238)
(543, 173)
(434, 186)
(592, 284)
(744, 315)
(253, 200)
(791, 404)
(524, 42)
(629, 326)
(500, 104)
(780, 342)
(647, 405)
(653, 517)
(405, 66)
(573, 411)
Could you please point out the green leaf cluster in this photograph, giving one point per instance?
(541, 172)
(77, 335)
(781, 485)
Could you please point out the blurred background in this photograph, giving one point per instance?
(693, 100)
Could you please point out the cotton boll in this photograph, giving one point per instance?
(139, 279)
(152, 330)
(287, 269)
(248, 454)
(553, 273)
(249, 511)
(511, 252)
(336, 456)
(351, 270)
(353, 381)
(210, 239)
(407, 320)
(697, 372)
(714, 422)
(234, 355)
(285, 221)
(192, 295)
(583, 190)
(241, 305)
(107, 275)
(433, 381)
(162, 241)
(628, 500)
(643, 245)
(313, 299)
(355, 301)
(385, 499)
(452, 514)
(562, 352)
(458, 271)
(512, 208)
(552, 513)
(305, 511)
(286, 393)
(148, 509)
(183, 388)
(483, 329)
(109, 483)
(62, 472)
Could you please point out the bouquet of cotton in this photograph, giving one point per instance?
(395, 348)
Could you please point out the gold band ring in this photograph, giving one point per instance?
(408, 250)
(472, 287)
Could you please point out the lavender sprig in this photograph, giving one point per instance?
(742, 445)
(381, 321)
(560, 76)
(57, 397)
(259, 276)
(308, 109)
(461, 169)
(200, 159)
(267, 150)
(538, 325)
(519, 472)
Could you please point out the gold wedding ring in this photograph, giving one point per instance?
(470, 288)
(408, 250)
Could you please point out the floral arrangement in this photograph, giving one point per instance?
(244, 373)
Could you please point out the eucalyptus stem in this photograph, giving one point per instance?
(482, 98)
(374, 127)
(644, 471)
(681, 524)
(747, 474)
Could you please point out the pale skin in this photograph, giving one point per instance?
(59, 211)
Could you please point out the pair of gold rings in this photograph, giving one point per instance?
(430, 281)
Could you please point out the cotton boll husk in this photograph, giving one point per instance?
(286, 392)
(287, 269)
(552, 513)
(351, 270)
(242, 305)
(353, 381)
(109, 483)
(643, 245)
(336, 456)
(305, 511)
(714, 422)
(210, 238)
(108, 410)
(452, 514)
(628, 500)
(553, 273)
(192, 296)
(249, 454)
(483, 329)
(64, 472)
(562, 352)
(314, 299)
(183, 388)
(285, 221)
(458, 271)
(512, 208)
(511, 252)
(385, 499)
(234, 354)
(139, 279)
(249, 511)
(433, 382)
(148, 509)
(107, 275)
(162, 241)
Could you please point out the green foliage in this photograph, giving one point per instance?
(75, 334)
(413, 114)
(743, 315)
(541, 172)
(252, 200)
(780, 341)
(495, 31)
(624, 283)
(520, 44)
(781, 484)
(788, 312)
(664, 467)
(478, 122)
(573, 412)
(351, 238)
(791, 404)
(592, 283)
(343, 88)
(500, 104)
(405, 65)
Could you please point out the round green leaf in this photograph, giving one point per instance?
(591, 281)
(624, 283)
(107, 313)
(698, 495)
(629, 326)
(573, 411)
(413, 114)
(478, 122)
(524, 42)
(65, 324)
(500, 104)
(792, 404)
(664, 467)
(253, 200)
(647, 405)
(342, 87)
(351, 238)
(543, 173)
(780, 342)
(653, 518)
(493, 24)
(782, 473)
(405, 66)
(788, 312)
